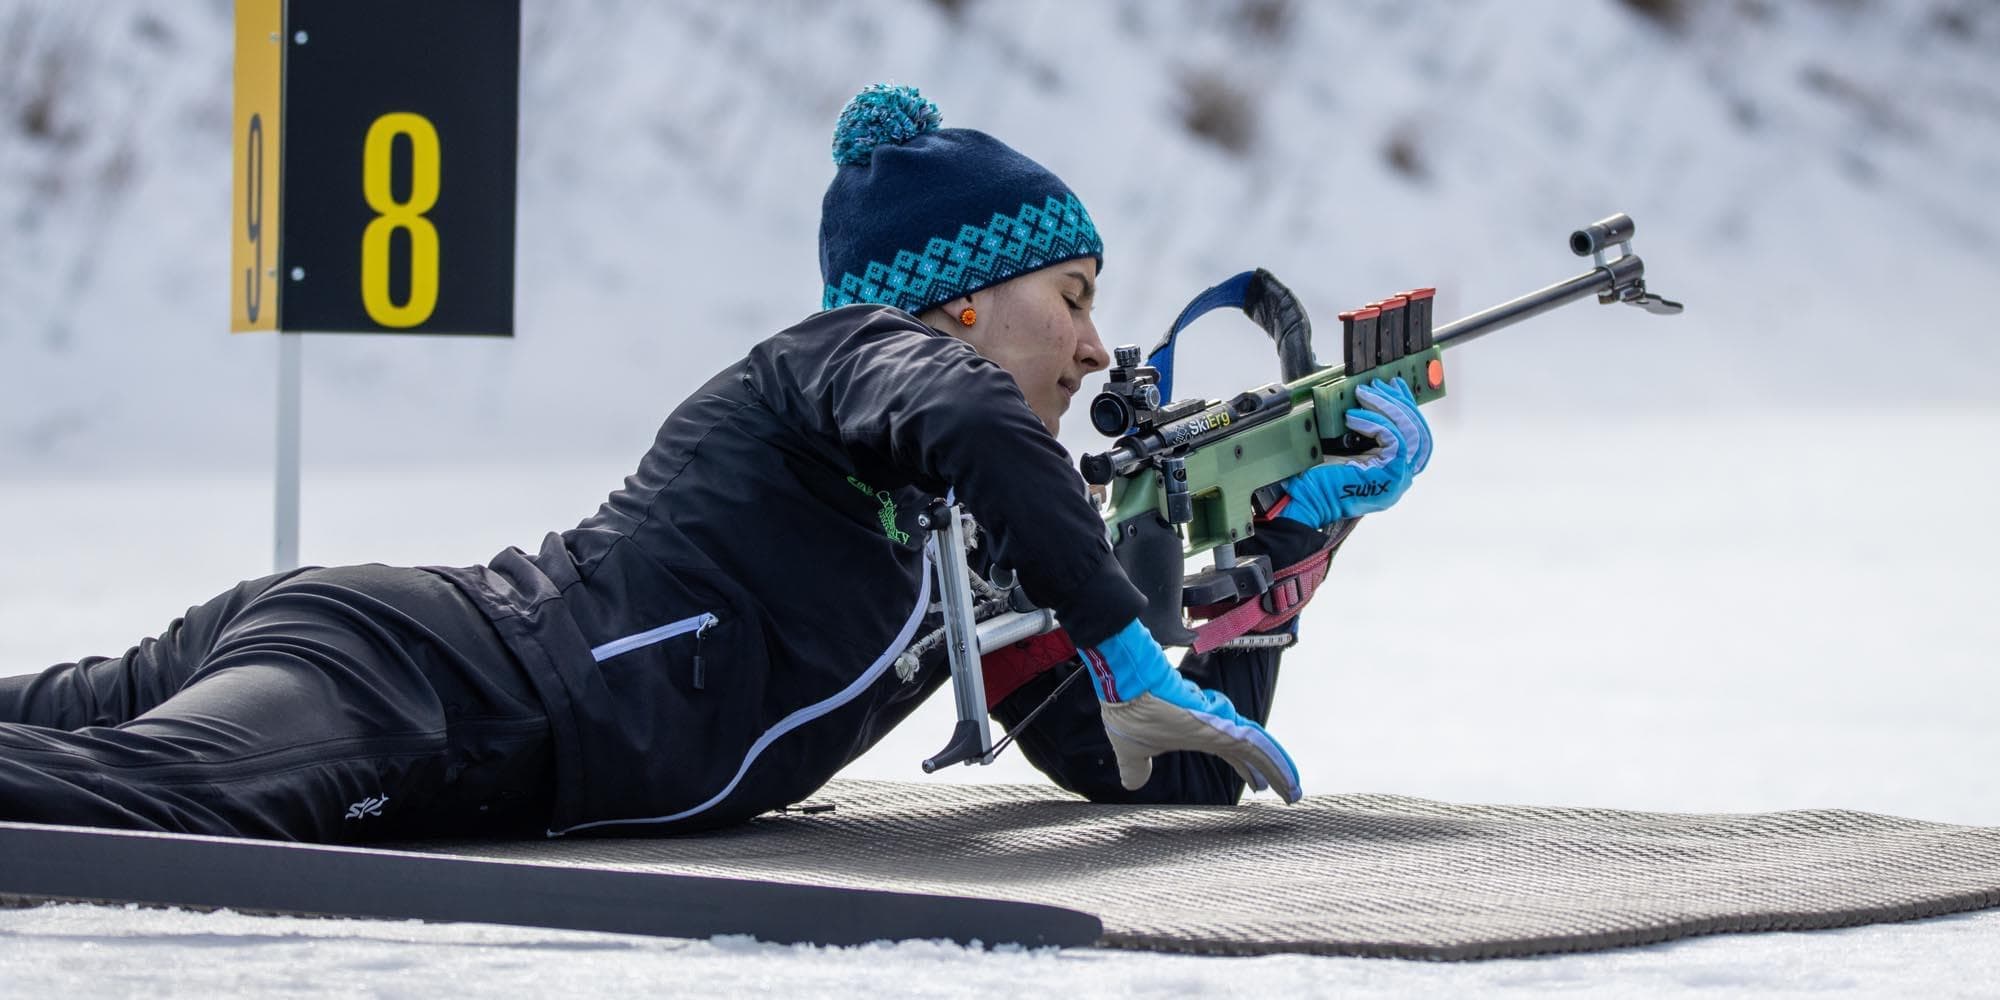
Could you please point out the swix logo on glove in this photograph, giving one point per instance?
(1365, 489)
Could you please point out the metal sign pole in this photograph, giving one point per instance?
(374, 95)
(286, 554)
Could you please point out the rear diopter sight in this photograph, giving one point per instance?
(1132, 397)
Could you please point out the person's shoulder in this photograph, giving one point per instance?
(859, 319)
(877, 330)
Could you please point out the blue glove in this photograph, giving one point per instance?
(1149, 708)
(1409, 422)
(1374, 480)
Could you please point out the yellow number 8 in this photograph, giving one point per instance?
(391, 215)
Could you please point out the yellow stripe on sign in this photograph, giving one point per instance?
(260, 70)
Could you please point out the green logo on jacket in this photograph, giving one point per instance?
(887, 515)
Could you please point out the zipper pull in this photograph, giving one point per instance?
(700, 667)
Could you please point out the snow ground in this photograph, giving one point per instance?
(86, 951)
(1738, 611)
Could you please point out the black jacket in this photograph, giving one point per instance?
(716, 640)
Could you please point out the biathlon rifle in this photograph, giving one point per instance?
(1190, 476)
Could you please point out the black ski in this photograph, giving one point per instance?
(40, 862)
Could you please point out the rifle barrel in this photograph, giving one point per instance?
(1614, 275)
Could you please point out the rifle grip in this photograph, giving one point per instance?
(1149, 550)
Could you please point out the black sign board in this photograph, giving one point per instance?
(396, 170)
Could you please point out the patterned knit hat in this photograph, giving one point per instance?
(918, 215)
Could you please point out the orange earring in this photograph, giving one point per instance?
(968, 317)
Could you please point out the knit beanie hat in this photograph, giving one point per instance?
(918, 214)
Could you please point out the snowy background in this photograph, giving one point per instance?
(1740, 559)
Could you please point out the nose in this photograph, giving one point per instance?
(1090, 352)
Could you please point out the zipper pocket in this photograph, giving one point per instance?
(700, 669)
(697, 624)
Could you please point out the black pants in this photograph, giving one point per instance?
(333, 705)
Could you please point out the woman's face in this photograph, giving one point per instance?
(1037, 326)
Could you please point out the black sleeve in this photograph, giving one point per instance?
(896, 393)
(1067, 742)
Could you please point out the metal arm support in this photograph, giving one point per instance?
(966, 640)
(971, 738)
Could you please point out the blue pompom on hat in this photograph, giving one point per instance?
(918, 214)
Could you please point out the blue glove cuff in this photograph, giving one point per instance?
(1128, 664)
(1131, 663)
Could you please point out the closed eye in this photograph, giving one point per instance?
(1085, 292)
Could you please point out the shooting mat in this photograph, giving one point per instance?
(1375, 875)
